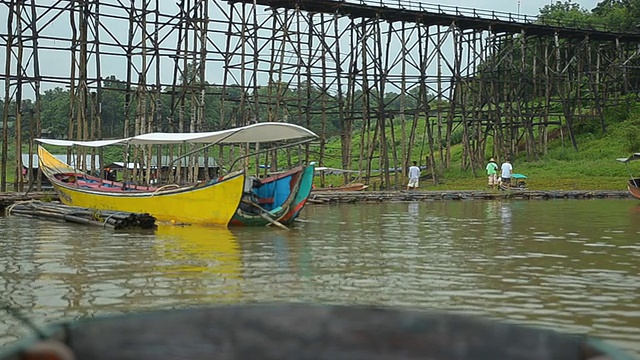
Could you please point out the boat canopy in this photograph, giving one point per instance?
(255, 133)
(635, 156)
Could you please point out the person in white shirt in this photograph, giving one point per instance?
(414, 176)
(507, 169)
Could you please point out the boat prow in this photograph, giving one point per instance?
(633, 184)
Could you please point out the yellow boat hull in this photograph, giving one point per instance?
(212, 203)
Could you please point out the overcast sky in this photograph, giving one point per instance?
(57, 63)
(528, 7)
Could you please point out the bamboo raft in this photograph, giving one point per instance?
(117, 220)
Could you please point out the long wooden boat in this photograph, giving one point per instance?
(278, 198)
(353, 186)
(211, 203)
(300, 331)
(633, 184)
(214, 202)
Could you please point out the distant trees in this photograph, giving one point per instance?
(621, 15)
(616, 15)
(565, 13)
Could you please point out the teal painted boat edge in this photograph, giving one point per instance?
(611, 351)
(304, 190)
(241, 218)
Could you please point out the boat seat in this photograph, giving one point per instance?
(275, 211)
(265, 200)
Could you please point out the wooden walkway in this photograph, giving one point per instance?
(9, 198)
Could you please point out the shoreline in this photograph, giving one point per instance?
(346, 197)
(333, 197)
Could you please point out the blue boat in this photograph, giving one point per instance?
(275, 200)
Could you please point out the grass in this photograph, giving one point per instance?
(592, 167)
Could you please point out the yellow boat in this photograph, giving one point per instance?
(211, 203)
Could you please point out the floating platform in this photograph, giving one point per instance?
(418, 195)
(117, 220)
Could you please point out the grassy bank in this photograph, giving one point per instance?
(592, 166)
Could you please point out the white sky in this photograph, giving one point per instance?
(57, 63)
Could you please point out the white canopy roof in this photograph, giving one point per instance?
(255, 133)
(95, 143)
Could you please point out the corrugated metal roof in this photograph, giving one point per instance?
(61, 157)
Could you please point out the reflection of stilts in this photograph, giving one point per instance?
(505, 215)
(492, 209)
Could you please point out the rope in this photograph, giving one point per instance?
(10, 207)
(165, 186)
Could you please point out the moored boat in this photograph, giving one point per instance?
(633, 184)
(276, 199)
(300, 331)
(169, 203)
(212, 202)
(352, 186)
(349, 187)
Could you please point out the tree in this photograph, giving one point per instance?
(567, 14)
(55, 112)
(620, 15)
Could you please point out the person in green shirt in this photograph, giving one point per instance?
(492, 172)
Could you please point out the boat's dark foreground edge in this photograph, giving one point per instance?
(297, 331)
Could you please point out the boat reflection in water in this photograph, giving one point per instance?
(204, 262)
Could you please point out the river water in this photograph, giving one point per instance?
(571, 265)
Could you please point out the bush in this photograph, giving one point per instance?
(631, 138)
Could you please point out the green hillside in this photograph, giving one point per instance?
(592, 167)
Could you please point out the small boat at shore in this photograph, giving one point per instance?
(633, 184)
(277, 199)
(352, 186)
(300, 331)
(348, 187)
(518, 183)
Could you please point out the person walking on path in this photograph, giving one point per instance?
(507, 169)
(414, 176)
(492, 173)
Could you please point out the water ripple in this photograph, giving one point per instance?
(526, 262)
